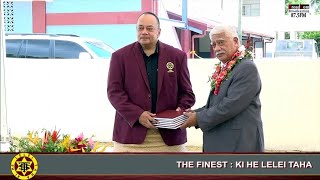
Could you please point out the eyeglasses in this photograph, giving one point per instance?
(148, 28)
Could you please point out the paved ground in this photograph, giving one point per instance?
(194, 148)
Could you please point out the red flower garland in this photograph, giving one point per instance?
(221, 73)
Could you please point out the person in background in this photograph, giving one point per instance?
(145, 78)
(231, 119)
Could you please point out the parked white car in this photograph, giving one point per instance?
(55, 46)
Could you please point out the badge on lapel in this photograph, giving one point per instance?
(170, 67)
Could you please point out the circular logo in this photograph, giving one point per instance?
(170, 66)
(24, 166)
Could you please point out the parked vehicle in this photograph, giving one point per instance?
(55, 46)
(297, 48)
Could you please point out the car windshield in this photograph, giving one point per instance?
(100, 48)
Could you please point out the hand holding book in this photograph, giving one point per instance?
(170, 119)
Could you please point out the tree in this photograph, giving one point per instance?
(311, 35)
(316, 5)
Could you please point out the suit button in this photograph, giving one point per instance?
(149, 96)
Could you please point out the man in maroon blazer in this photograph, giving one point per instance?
(145, 78)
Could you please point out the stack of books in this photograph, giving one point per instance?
(170, 119)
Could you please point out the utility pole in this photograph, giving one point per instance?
(184, 16)
(221, 2)
(4, 132)
(239, 21)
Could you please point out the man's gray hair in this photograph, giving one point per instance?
(230, 31)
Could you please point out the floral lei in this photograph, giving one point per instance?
(221, 74)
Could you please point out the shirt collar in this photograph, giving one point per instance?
(223, 64)
(156, 50)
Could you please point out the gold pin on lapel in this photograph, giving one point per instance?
(170, 67)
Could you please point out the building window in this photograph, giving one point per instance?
(286, 35)
(251, 8)
(8, 16)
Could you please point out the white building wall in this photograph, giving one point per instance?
(272, 15)
(265, 23)
(71, 95)
(273, 19)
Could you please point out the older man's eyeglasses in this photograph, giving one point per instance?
(148, 28)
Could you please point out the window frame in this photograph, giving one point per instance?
(79, 45)
(248, 10)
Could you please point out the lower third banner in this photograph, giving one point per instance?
(26, 165)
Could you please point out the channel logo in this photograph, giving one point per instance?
(24, 166)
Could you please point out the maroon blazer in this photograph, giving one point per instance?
(130, 94)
